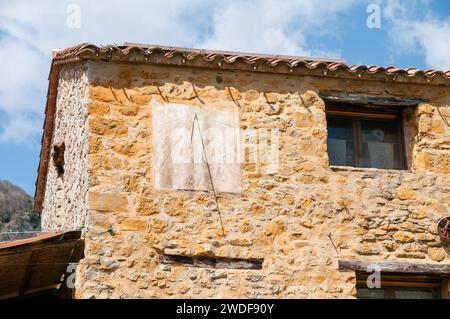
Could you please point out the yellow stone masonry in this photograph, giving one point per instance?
(299, 220)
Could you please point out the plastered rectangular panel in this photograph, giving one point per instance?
(188, 140)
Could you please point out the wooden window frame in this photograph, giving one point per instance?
(389, 291)
(356, 114)
(393, 281)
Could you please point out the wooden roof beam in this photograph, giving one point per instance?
(396, 267)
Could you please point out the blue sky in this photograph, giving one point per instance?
(413, 33)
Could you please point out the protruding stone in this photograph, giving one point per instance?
(425, 237)
(98, 108)
(311, 98)
(405, 193)
(108, 202)
(107, 127)
(304, 119)
(436, 254)
(425, 109)
(404, 237)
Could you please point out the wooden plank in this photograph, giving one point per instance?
(39, 237)
(28, 272)
(211, 262)
(362, 114)
(42, 238)
(51, 265)
(12, 271)
(401, 284)
(365, 99)
(35, 263)
(396, 267)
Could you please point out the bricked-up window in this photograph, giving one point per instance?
(365, 137)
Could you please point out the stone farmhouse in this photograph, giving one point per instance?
(209, 174)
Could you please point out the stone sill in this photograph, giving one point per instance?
(336, 168)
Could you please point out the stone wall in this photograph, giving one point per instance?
(299, 218)
(65, 202)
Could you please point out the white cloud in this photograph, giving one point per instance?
(275, 27)
(413, 27)
(434, 37)
(23, 84)
(29, 30)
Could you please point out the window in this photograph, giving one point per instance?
(398, 293)
(365, 137)
(400, 287)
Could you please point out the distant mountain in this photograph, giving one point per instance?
(16, 209)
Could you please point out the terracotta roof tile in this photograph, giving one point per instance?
(221, 58)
